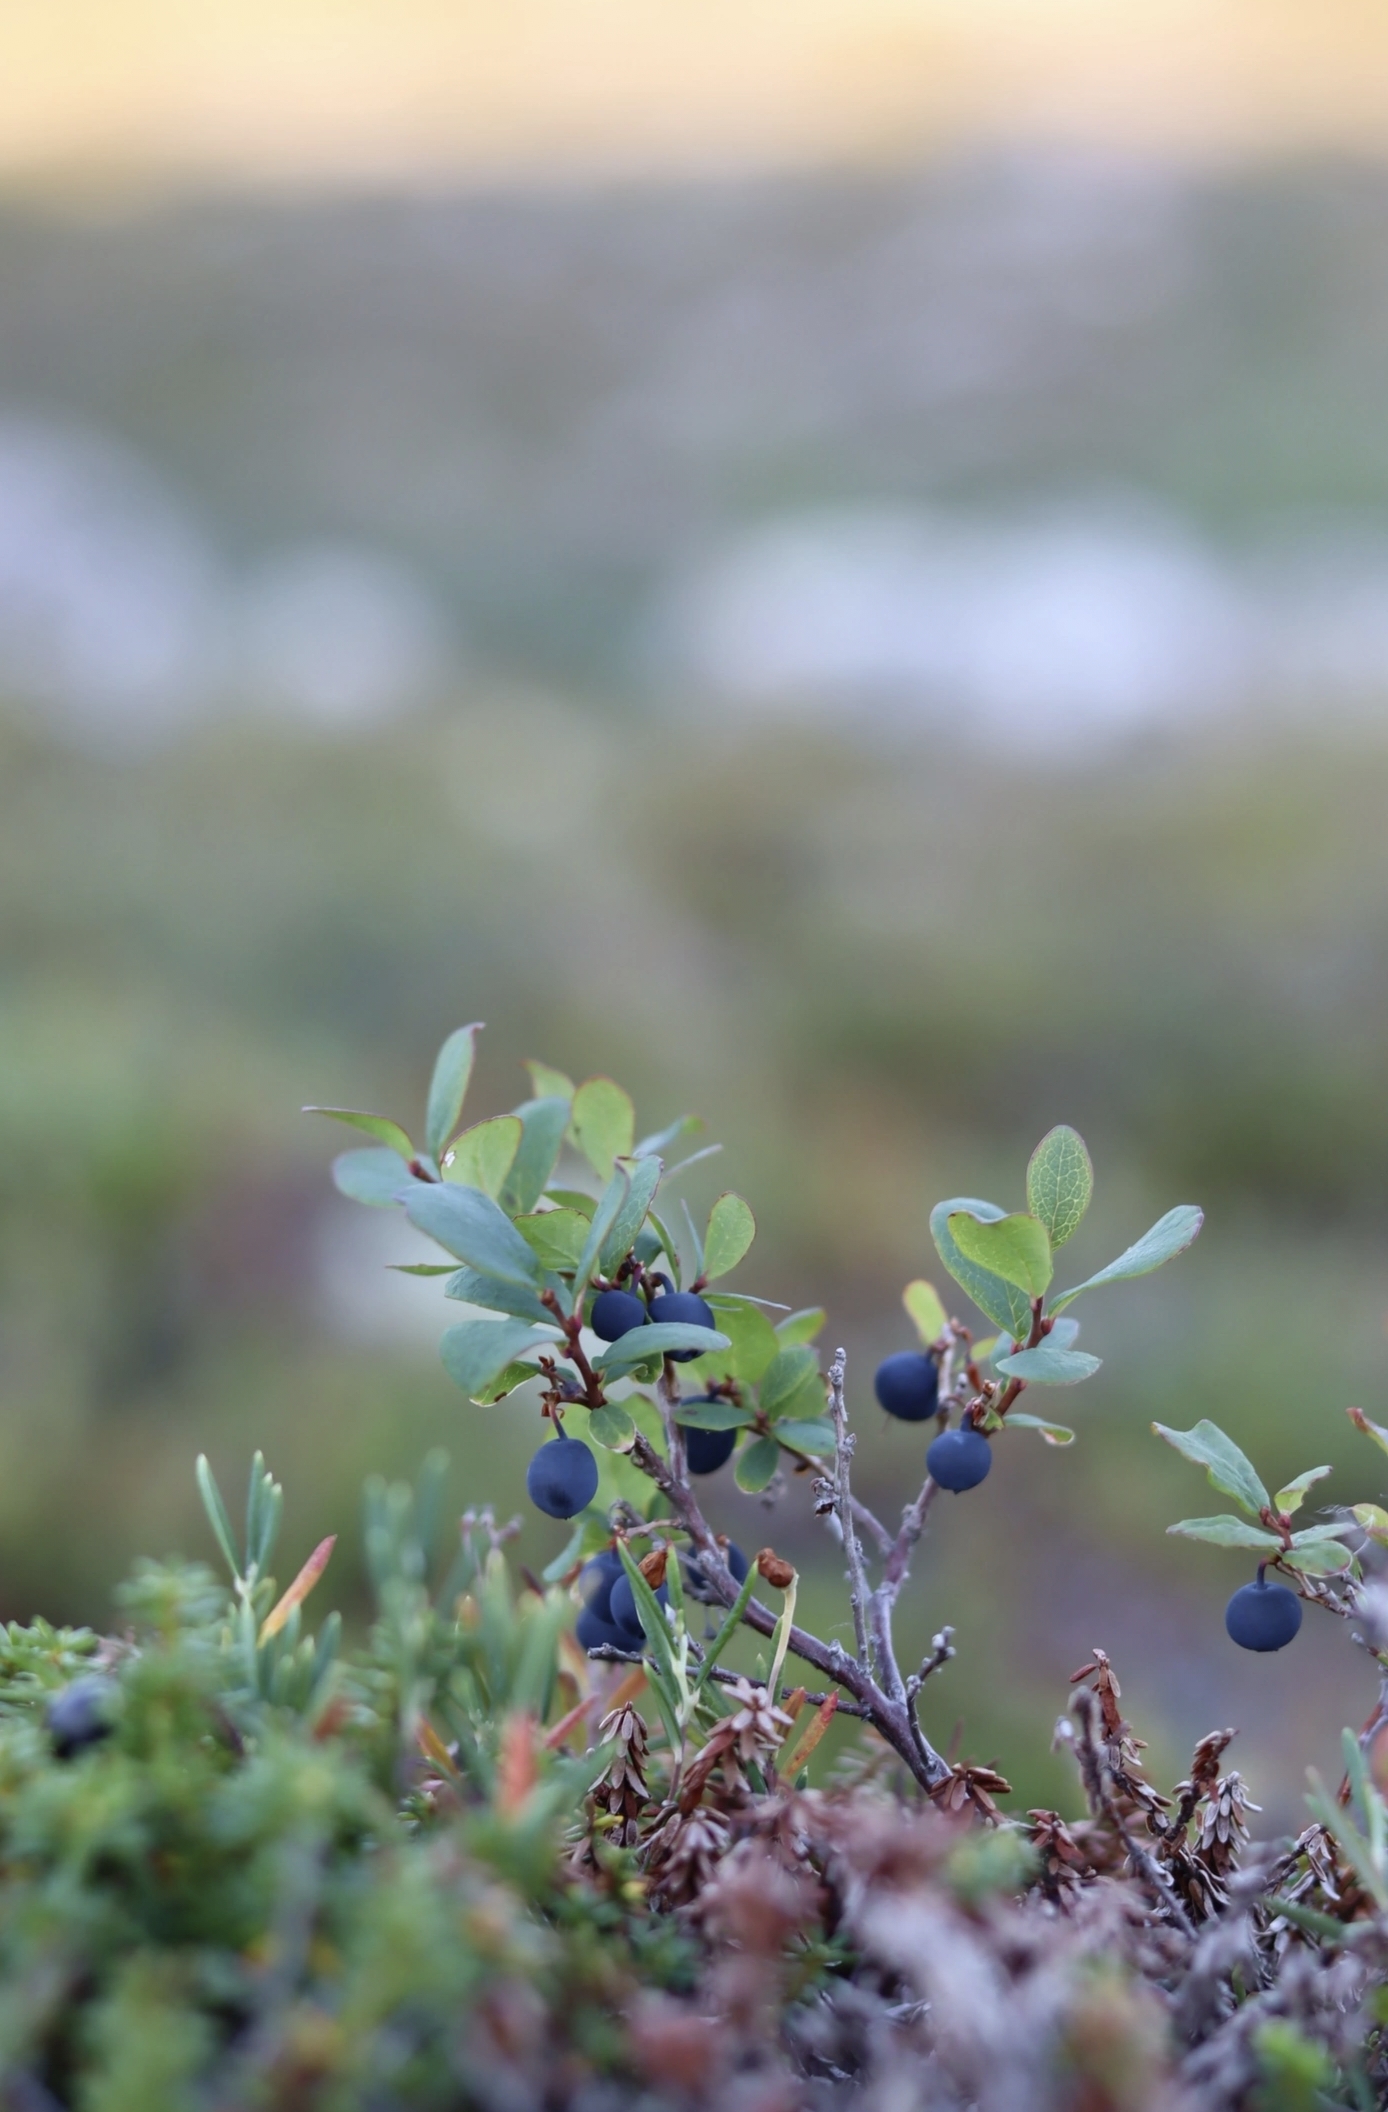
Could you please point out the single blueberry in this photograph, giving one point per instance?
(616, 1313)
(593, 1631)
(682, 1309)
(622, 1609)
(705, 1451)
(736, 1561)
(562, 1478)
(959, 1459)
(596, 1579)
(81, 1715)
(908, 1385)
(1263, 1616)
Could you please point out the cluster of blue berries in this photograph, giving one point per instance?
(609, 1617)
(908, 1387)
(616, 1313)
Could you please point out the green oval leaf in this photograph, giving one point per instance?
(812, 1434)
(1051, 1433)
(377, 1177)
(922, 1303)
(543, 1123)
(1228, 1469)
(471, 1287)
(546, 1083)
(1318, 1558)
(469, 1224)
(1060, 1182)
(1226, 1531)
(514, 1375)
(646, 1345)
(483, 1156)
(1293, 1496)
(556, 1237)
(476, 1352)
(799, 1327)
(602, 1123)
(753, 1338)
(1049, 1365)
(756, 1464)
(643, 1178)
(712, 1415)
(611, 1427)
(1005, 1306)
(789, 1378)
(378, 1126)
(448, 1087)
(1169, 1236)
(1016, 1248)
(1373, 1519)
(731, 1230)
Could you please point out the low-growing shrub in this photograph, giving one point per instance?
(542, 1843)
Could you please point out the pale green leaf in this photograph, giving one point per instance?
(660, 1140)
(643, 1177)
(1016, 1248)
(1374, 1430)
(712, 1415)
(731, 1230)
(610, 1205)
(1318, 1558)
(756, 1465)
(1227, 1531)
(543, 1123)
(448, 1088)
(813, 1434)
(556, 1237)
(1171, 1235)
(1049, 1365)
(520, 1300)
(646, 1345)
(791, 1375)
(922, 1302)
(378, 1126)
(602, 1123)
(1005, 1306)
(546, 1083)
(1226, 1467)
(1060, 1182)
(1373, 1519)
(378, 1177)
(482, 1157)
(800, 1327)
(476, 1352)
(469, 1224)
(1293, 1496)
(514, 1375)
(612, 1428)
(753, 1338)
(1051, 1433)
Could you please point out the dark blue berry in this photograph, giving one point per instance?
(616, 1313)
(908, 1386)
(593, 1630)
(959, 1459)
(562, 1478)
(81, 1715)
(596, 1579)
(1263, 1616)
(622, 1610)
(736, 1561)
(705, 1451)
(682, 1309)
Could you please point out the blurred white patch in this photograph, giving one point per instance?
(1060, 626)
(340, 636)
(109, 593)
(360, 1296)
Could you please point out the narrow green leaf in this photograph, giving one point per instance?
(1005, 1305)
(546, 1083)
(645, 1345)
(813, 1434)
(543, 1123)
(651, 1613)
(1319, 1558)
(643, 1178)
(1051, 1433)
(422, 1268)
(610, 1206)
(753, 1339)
(506, 1382)
(519, 1300)
(1293, 1496)
(476, 1352)
(800, 1327)
(791, 1373)
(378, 1126)
(602, 1124)
(659, 1142)
(756, 1464)
(1060, 1182)
(712, 1415)
(1016, 1248)
(611, 1427)
(1171, 1235)
(725, 1634)
(572, 1199)
(731, 1230)
(556, 1237)
(1049, 1365)
(1329, 1529)
(377, 1176)
(1226, 1467)
(217, 1513)
(482, 1157)
(469, 1224)
(696, 1245)
(448, 1087)
(1227, 1531)
(922, 1303)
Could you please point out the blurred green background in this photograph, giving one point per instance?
(544, 606)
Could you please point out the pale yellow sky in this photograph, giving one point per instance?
(307, 90)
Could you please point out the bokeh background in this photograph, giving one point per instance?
(829, 559)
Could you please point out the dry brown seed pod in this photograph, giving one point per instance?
(775, 1568)
(653, 1567)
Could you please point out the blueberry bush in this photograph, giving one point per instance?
(569, 1840)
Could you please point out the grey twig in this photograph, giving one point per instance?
(843, 1508)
